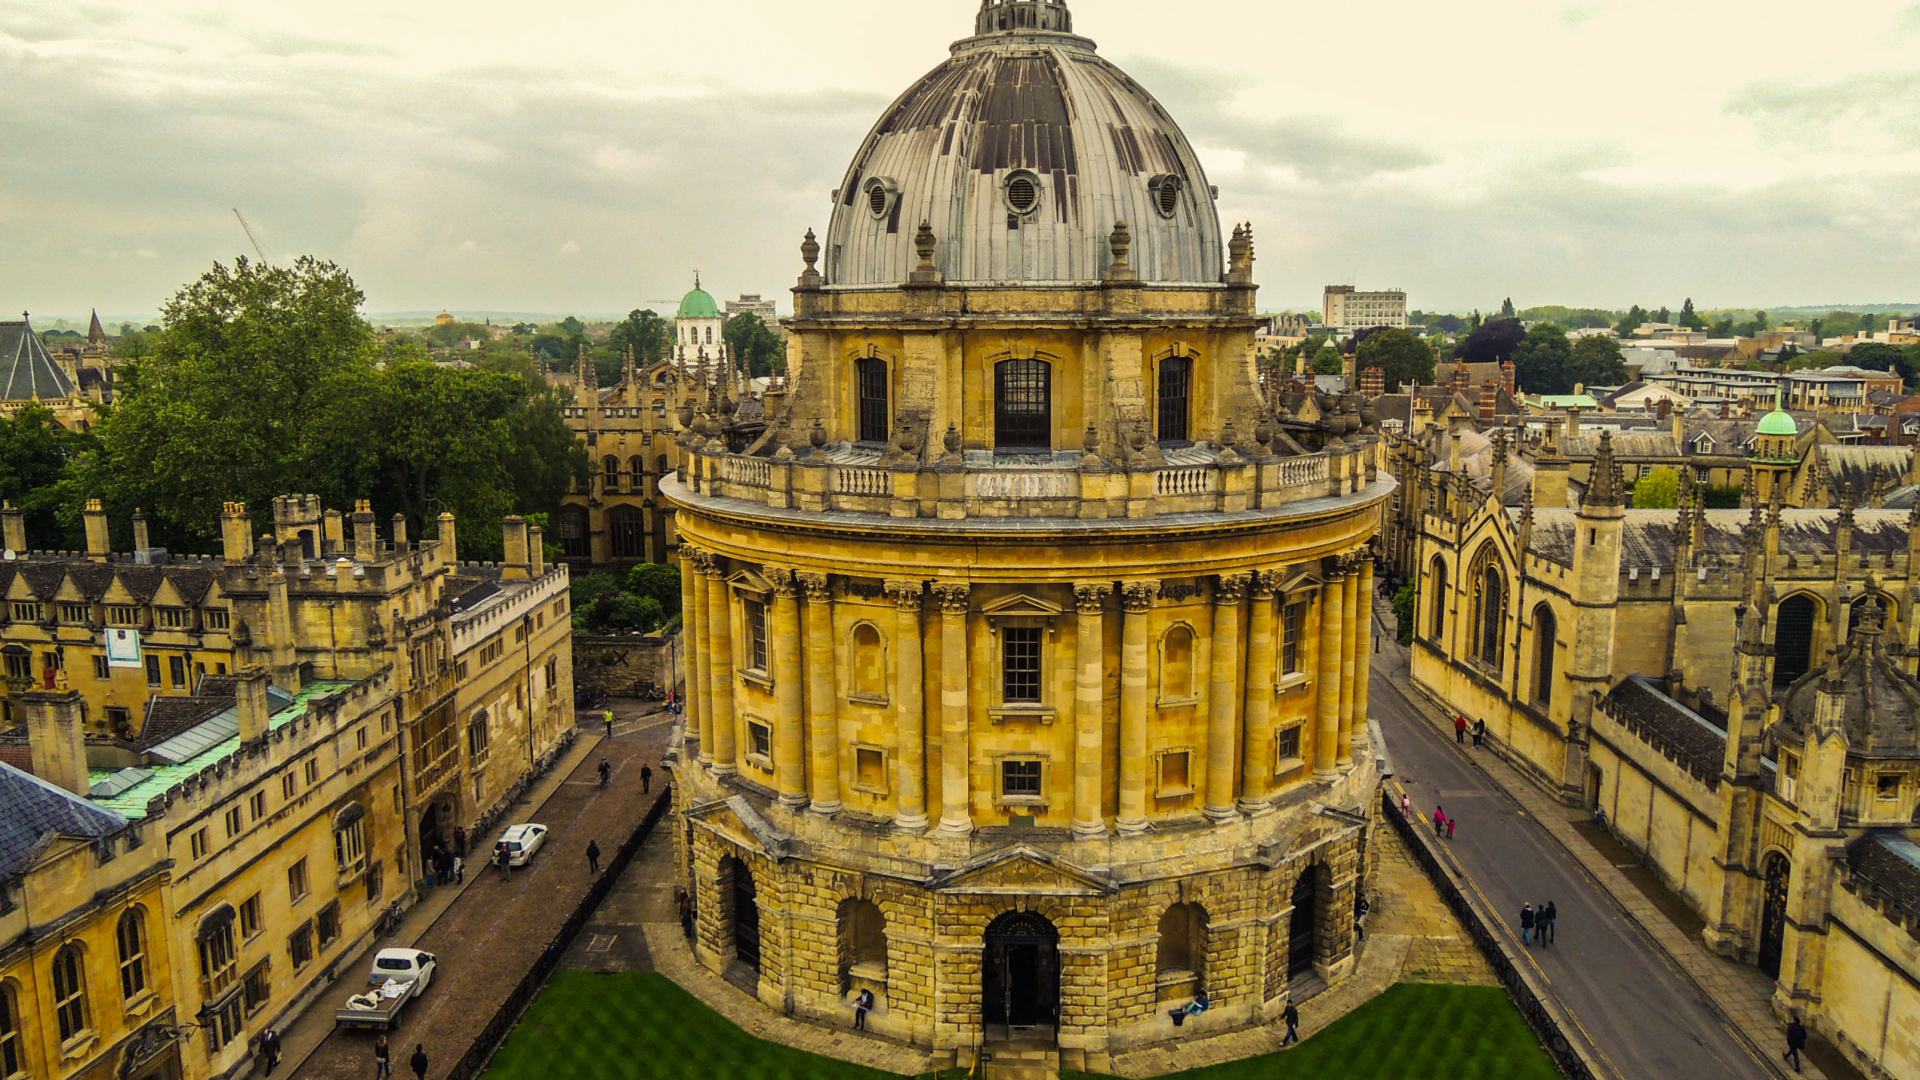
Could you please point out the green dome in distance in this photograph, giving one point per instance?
(1778, 423)
(697, 304)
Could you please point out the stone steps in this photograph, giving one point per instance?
(1022, 1061)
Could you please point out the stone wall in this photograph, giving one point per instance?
(615, 663)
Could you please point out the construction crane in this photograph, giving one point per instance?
(248, 229)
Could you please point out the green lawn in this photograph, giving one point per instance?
(639, 1024)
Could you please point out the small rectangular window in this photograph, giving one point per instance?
(1286, 747)
(215, 618)
(74, 613)
(300, 946)
(172, 618)
(177, 668)
(233, 822)
(327, 923)
(257, 805)
(258, 987)
(313, 772)
(1020, 664)
(1290, 619)
(100, 669)
(756, 613)
(1886, 786)
(153, 670)
(297, 881)
(870, 769)
(118, 718)
(1020, 779)
(360, 737)
(289, 784)
(197, 843)
(759, 740)
(250, 916)
(1175, 774)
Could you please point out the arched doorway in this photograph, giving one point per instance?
(1793, 638)
(1773, 914)
(1020, 972)
(1306, 896)
(746, 913)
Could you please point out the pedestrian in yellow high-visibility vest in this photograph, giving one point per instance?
(609, 723)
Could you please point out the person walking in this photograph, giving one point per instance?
(1406, 806)
(1479, 731)
(1439, 820)
(1526, 924)
(1796, 1041)
(1459, 728)
(270, 1048)
(382, 1059)
(1291, 1014)
(419, 1061)
(459, 870)
(686, 913)
(646, 779)
(1549, 920)
(609, 723)
(606, 770)
(1451, 822)
(862, 1004)
(593, 857)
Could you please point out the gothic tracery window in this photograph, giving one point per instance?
(1487, 630)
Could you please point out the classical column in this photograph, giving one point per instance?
(1228, 591)
(823, 705)
(1256, 753)
(909, 716)
(1326, 737)
(1350, 629)
(1136, 604)
(956, 812)
(1363, 648)
(693, 583)
(789, 740)
(720, 668)
(1089, 706)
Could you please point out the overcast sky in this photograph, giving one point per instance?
(586, 155)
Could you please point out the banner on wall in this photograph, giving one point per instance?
(123, 648)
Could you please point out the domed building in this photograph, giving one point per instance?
(1028, 639)
(697, 328)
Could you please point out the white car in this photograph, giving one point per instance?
(402, 965)
(397, 977)
(520, 842)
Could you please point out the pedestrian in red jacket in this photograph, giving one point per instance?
(1459, 728)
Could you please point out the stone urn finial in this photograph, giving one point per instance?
(1137, 438)
(952, 438)
(817, 437)
(1121, 244)
(1091, 440)
(908, 439)
(810, 251)
(924, 244)
(1263, 433)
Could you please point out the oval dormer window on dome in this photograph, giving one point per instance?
(880, 195)
(1166, 195)
(1023, 192)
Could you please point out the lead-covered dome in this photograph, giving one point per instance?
(1021, 151)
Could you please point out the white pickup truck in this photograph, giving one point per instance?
(398, 976)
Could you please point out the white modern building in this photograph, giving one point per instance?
(1346, 308)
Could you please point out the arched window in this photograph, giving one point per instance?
(637, 469)
(870, 373)
(350, 837)
(869, 662)
(610, 473)
(1487, 627)
(132, 939)
(1182, 952)
(70, 991)
(1544, 630)
(1176, 664)
(1793, 637)
(12, 1059)
(1437, 602)
(1176, 385)
(624, 532)
(217, 957)
(1022, 406)
(575, 541)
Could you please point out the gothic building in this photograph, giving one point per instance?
(1032, 635)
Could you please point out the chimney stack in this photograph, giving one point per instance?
(1373, 382)
(141, 541)
(1726, 410)
(333, 532)
(250, 692)
(14, 526)
(1573, 424)
(1664, 408)
(56, 735)
(1459, 380)
(96, 520)
(1507, 376)
(399, 533)
(236, 535)
(536, 553)
(448, 539)
(1489, 391)
(365, 542)
(514, 566)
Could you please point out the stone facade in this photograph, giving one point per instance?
(1027, 648)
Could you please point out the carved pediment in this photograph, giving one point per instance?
(736, 820)
(1023, 871)
(749, 581)
(1021, 605)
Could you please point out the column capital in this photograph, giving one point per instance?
(1265, 584)
(906, 594)
(951, 596)
(819, 586)
(781, 578)
(1090, 597)
(1138, 596)
(1230, 588)
(695, 557)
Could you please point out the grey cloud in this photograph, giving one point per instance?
(290, 45)
(1889, 100)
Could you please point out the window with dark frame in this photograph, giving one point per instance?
(1291, 617)
(1287, 743)
(131, 936)
(871, 375)
(300, 946)
(10, 1060)
(1020, 779)
(756, 613)
(256, 987)
(69, 992)
(1020, 664)
(1176, 384)
(327, 923)
(1023, 406)
(759, 740)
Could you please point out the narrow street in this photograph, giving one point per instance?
(1638, 1012)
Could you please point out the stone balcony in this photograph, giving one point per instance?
(1071, 484)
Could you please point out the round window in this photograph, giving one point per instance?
(1166, 195)
(1023, 192)
(879, 199)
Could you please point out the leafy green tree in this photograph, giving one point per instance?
(626, 611)
(1402, 357)
(1492, 341)
(1635, 318)
(132, 344)
(753, 344)
(1543, 361)
(1598, 361)
(1721, 328)
(1405, 603)
(1506, 308)
(1880, 356)
(447, 335)
(657, 580)
(1327, 361)
(573, 327)
(1664, 315)
(1658, 490)
(1689, 318)
(649, 335)
(36, 457)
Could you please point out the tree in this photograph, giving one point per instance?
(1405, 603)
(1880, 356)
(1327, 361)
(36, 454)
(658, 581)
(1664, 315)
(1598, 361)
(1635, 318)
(1658, 490)
(1688, 318)
(647, 334)
(1543, 361)
(220, 409)
(1402, 357)
(1491, 342)
(1506, 308)
(754, 345)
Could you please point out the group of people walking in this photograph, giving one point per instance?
(1537, 924)
(1461, 729)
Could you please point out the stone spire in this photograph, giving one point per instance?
(1604, 486)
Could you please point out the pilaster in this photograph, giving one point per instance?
(956, 813)
(909, 713)
(1089, 712)
(789, 738)
(1136, 605)
(1256, 754)
(1228, 592)
(823, 713)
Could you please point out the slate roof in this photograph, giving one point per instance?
(1887, 864)
(1647, 538)
(1863, 468)
(44, 578)
(1684, 736)
(37, 812)
(27, 370)
(1880, 701)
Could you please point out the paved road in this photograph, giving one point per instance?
(1642, 1015)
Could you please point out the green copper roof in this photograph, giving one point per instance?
(1778, 423)
(697, 304)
